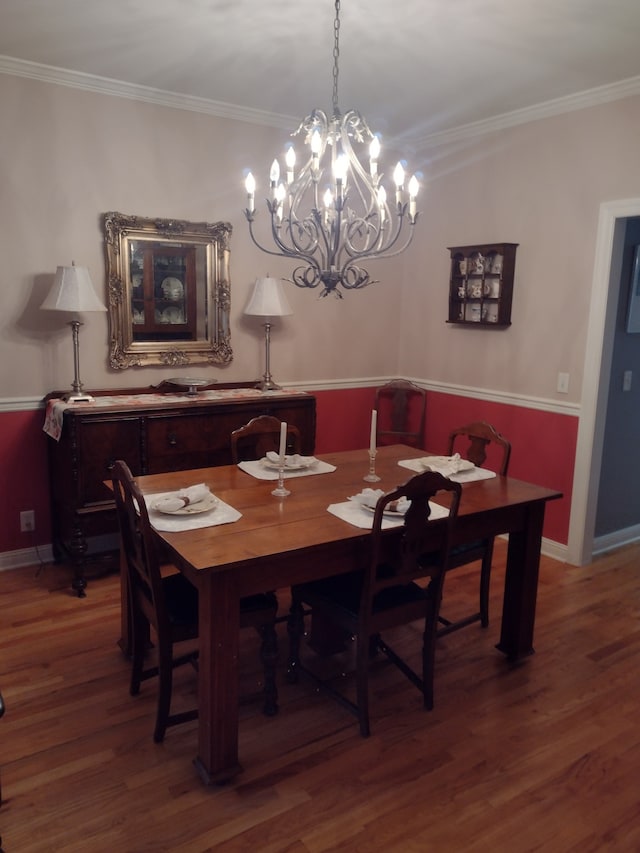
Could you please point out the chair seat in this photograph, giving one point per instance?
(466, 549)
(343, 592)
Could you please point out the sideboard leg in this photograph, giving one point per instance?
(78, 547)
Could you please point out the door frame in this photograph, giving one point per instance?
(605, 292)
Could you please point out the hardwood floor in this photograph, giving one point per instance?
(542, 756)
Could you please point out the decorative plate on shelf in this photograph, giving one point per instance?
(172, 288)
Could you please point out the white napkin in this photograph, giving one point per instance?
(368, 497)
(177, 500)
(256, 468)
(295, 460)
(446, 465)
(353, 513)
(467, 475)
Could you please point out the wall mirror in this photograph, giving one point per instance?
(168, 291)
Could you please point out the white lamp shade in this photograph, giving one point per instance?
(72, 290)
(268, 299)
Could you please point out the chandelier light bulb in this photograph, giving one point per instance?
(374, 154)
(290, 160)
(414, 186)
(274, 177)
(250, 186)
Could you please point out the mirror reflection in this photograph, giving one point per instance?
(169, 291)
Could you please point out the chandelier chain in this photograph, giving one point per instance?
(336, 56)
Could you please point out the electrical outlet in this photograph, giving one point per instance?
(27, 521)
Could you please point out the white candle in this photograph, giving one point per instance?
(374, 422)
(283, 440)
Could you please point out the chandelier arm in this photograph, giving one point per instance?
(384, 254)
(283, 249)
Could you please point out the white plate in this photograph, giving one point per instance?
(309, 462)
(205, 505)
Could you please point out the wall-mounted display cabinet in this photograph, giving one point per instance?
(481, 284)
(163, 291)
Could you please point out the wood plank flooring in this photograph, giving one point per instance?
(542, 756)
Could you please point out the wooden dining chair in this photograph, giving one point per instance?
(262, 434)
(385, 594)
(167, 605)
(401, 408)
(479, 435)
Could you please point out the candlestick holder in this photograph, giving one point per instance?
(280, 491)
(372, 477)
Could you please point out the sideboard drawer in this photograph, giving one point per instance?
(182, 441)
(100, 441)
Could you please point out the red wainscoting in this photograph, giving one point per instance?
(25, 480)
(544, 445)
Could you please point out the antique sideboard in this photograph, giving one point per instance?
(153, 432)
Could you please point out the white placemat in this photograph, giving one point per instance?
(468, 476)
(354, 513)
(222, 513)
(260, 472)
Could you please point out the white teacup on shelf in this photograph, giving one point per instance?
(490, 312)
(472, 313)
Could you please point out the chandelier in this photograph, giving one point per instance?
(333, 214)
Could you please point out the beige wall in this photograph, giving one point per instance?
(67, 156)
(540, 185)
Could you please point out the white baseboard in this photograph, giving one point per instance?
(25, 557)
(609, 541)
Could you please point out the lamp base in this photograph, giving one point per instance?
(268, 385)
(78, 398)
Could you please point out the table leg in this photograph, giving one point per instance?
(219, 628)
(521, 585)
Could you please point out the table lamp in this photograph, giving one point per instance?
(268, 301)
(73, 291)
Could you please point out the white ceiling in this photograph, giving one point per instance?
(412, 67)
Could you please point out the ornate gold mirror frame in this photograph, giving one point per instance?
(168, 291)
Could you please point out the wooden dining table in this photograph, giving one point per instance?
(280, 541)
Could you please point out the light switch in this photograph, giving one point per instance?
(626, 380)
(563, 383)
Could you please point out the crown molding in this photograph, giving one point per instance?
(558, 106)
(135, 92)
(117, 88)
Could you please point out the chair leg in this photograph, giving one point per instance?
(434, 599)
(363, 657)
(138, 650)
(295, 630)
(269, 656)
(165, 685)
(485, 579)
